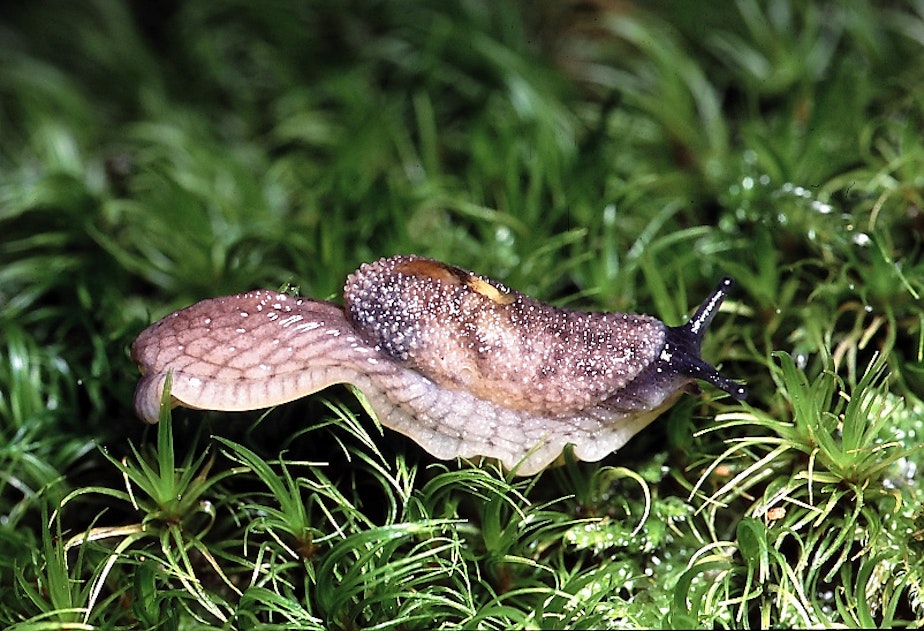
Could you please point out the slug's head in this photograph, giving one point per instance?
(681, 353)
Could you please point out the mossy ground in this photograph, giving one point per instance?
(606, 155)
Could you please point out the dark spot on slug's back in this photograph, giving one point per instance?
(460, 363)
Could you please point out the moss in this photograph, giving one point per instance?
(609, 156)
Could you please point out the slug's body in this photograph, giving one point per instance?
(460, 363)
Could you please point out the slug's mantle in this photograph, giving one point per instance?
(460, 363)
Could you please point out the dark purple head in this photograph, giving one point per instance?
(681, 352)
(678, 363)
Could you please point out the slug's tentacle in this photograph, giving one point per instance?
(461, 364)
(689, 338)
(683, 344)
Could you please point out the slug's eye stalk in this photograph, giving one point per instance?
(682, 348)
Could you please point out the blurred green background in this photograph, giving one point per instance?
(606, 155)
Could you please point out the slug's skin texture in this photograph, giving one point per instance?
(460, 363)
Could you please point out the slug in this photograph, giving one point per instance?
(458, 362)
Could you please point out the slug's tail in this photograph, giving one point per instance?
(686, 341)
